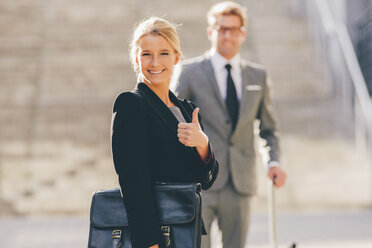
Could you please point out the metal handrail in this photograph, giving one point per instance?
(355, 73)
(340, 31)
(362, 14)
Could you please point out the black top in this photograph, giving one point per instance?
(146, 149)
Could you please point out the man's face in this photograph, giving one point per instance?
(227, 35)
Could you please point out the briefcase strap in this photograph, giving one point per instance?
(116, 238)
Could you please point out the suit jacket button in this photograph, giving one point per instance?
(228, 121)
(231, 143)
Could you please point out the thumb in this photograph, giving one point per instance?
(195, 118)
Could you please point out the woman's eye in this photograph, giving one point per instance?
(164, 53)
(146, 54)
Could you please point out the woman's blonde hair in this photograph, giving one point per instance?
(158, 27)
(227, 8)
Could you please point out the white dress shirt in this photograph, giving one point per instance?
(220, 72)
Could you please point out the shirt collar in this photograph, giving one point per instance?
(219, 61)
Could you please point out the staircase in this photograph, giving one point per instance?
(63, 62)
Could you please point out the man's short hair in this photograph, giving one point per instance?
(227, 8)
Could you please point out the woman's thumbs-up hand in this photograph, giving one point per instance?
(191, 134)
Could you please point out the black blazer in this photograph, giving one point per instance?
(146, 149)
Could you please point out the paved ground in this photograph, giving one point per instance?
(309, 230)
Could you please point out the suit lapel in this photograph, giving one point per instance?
(178, 103)
(161, 110)
(208, 68)
(243, 110)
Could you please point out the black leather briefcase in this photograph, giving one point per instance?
(179, 210)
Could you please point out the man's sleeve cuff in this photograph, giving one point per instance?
(273, 164)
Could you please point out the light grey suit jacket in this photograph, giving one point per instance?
(235, 152)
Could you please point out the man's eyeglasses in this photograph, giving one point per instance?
(232, 30)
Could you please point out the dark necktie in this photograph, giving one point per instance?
(232, 101)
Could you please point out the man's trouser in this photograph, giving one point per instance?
(232, 210)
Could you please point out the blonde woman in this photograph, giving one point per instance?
(157, 139)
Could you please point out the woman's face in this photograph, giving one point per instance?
(156, 59)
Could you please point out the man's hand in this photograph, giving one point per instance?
(154, 246)
(277, 175)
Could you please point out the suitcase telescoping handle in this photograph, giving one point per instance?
(272, 215)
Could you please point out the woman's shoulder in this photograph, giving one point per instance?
(127, 99)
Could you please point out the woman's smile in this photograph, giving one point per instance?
(156, 72)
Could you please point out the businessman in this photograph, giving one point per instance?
(231, 93)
